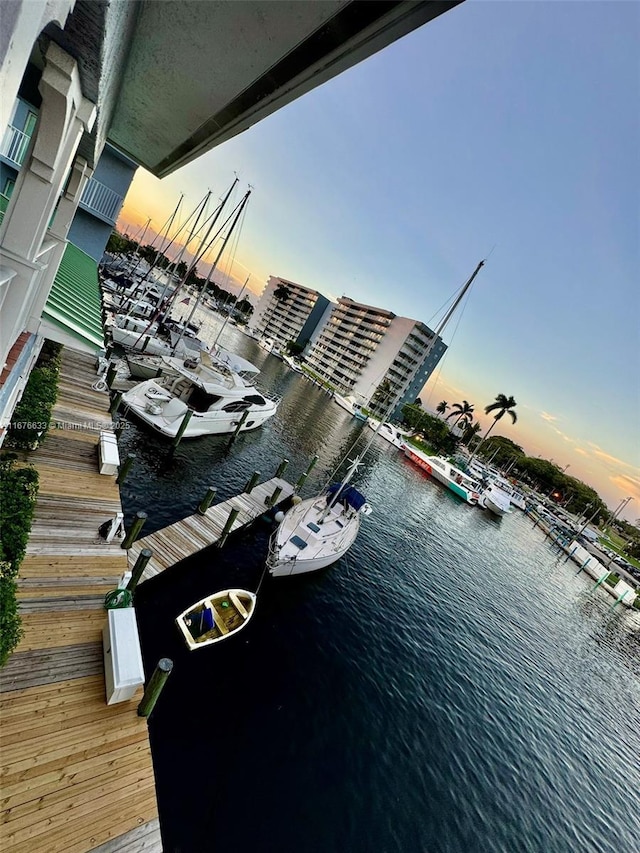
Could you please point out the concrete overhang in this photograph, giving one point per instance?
(198, 73)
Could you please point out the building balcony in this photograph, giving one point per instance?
(14, 146)
(101, 201)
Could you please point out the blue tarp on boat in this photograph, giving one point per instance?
(348, 494)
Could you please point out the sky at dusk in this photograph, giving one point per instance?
(502, 129)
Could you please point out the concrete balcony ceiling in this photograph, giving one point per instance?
(174, 79)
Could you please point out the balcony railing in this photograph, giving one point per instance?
(14, 145)
(102, 200)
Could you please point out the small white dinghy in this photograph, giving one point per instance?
(216, 617)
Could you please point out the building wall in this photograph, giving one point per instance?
(90, 229)
(362, 347)
(115, 170)
(292, 320)
(90, 234)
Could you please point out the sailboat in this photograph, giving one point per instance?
(317, 531)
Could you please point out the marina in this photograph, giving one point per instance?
(260, 592)
(425, 539)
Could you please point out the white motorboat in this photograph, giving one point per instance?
(317, 531)
(290, 362)
(393, 434)
(143, 366)
(141, 336)
(216, 617)
(442, 470)
(216, 396)
(495, 500)
(350, 404)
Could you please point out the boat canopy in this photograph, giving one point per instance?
(235, 362)
(348, 494)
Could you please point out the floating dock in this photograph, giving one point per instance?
(76, 773)
(196, 532)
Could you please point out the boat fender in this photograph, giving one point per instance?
(296, 499)
(279, 516)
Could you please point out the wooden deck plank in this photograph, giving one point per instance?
(180, 540)
(26, 670)
(76, 773)
(144, 839)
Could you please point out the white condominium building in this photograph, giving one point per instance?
(362, 350)
(288, 312)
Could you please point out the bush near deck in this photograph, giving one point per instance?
(32, 415)
(19, 487)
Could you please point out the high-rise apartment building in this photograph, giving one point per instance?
(374, 355)
(288, 312)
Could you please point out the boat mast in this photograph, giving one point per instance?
(430, 346)
(238, 212)
(226, 319)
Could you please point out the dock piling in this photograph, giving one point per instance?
(233, 514)
(136, 527)
(125, 468)
(115, 403)
(239, 426)
(154, 687)
(185, 423)
(300, 481)
(584, 565)
(140, 565)
(111, 374)
(253, 482)
(270, 500)
(281, 468)
(207, 500)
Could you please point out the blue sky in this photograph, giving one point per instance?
(514, 125)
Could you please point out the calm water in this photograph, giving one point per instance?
(447, 686)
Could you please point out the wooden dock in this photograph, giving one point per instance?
(76, 774)
(184, 538)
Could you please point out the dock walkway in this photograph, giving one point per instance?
(184, 538)
(76, 774)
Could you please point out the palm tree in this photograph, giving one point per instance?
(281, 292)
(470, 432)
(442, 407)
(462, 410)
(502, 405)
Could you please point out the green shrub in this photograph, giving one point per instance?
(19, 488)
(32, 415)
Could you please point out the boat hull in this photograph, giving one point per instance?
(295, 549)
(229, 611)
(165, 415)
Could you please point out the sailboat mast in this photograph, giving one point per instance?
(226, 319)
(451, 310)
(239, 210)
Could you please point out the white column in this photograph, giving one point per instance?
(64, 116)
(26, 248)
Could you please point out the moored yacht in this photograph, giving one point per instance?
(442, 470)
(393, 434)
(351, 405)
(495, 500)
(317, 531)
(217, 397)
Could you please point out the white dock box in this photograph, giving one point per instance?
(123, 670)
(108, 450)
